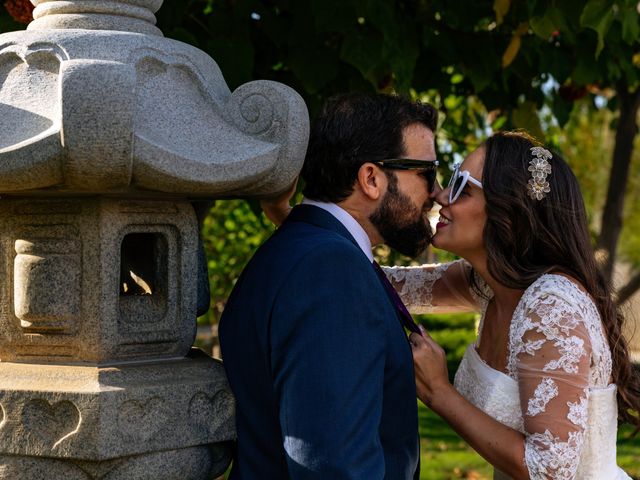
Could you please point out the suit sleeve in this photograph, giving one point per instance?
(328, 358)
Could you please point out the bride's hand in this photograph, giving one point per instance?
(277, 208)
(430, 364)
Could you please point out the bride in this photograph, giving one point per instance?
(540, 392)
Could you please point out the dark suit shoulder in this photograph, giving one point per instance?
(303, 242)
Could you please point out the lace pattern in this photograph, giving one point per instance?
(545, 391)
(485, 293)
(548, 456)
(556, 386)
(578, 411)
(560, 307)
(558, 355)
(415, 284)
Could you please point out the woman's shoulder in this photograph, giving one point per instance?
(560, 287)
(554, 300)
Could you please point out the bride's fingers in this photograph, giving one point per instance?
(423, 339)
(423, 331)
(415, 340)
(425, 348)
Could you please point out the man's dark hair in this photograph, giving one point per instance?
(351, 130)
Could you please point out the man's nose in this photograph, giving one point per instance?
(441, 195)
(435, 190)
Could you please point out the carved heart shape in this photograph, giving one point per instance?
(51, 424)
(211, 412)
(25, 74)
(142, 420)
(2, 416)
(29, 116)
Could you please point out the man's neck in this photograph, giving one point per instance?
(361, 215)
(352, 225)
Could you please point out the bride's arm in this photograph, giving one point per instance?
(550, 355)
(277, 208)
(501, 446)
(438, 288)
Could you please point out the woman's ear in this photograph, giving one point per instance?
(371, 181)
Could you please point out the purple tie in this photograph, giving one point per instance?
(407, 319)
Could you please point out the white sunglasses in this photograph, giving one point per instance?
(458, 181)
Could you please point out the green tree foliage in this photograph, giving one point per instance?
(485, 64)
(232, 232)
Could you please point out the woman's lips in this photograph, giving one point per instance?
(442, 222)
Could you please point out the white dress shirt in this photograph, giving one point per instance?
(350, 223)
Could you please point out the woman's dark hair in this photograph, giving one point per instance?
(351, 130)
(526, 238)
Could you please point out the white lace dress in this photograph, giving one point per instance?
(556, 388)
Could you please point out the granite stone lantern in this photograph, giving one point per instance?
(109, 133)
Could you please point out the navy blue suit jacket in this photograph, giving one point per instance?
(318, 361)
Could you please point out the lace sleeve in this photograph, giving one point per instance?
(438, 287)
(550, 357)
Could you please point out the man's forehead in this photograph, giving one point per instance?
(419, 144)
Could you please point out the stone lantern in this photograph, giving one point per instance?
(109, 133)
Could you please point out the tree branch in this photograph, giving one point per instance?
(631, 287)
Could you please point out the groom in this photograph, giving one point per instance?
(312, 336)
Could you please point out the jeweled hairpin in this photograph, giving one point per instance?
(538, 187)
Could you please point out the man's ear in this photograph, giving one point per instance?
(371, 181)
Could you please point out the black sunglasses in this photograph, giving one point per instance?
(428, 168)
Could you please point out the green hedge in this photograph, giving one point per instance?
(453, 331)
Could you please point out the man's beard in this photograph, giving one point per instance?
(402, 226)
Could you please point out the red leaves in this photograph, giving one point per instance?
(571, 93)
(20, 10)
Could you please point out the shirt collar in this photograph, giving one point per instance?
(350, 223)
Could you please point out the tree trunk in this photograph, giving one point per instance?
(632, 286)
(625, 133)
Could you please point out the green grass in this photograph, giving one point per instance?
(629, 451)
(444, 455)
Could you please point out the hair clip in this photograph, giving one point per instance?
(538, 187)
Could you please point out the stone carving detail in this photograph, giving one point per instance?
(111, 134)
(211, 412)
(142, 420)
(13, 467)
(264, 110)
(197, 463)
(256, 111)
(223, 147)
(29, 102)
(97, 120)
(124, 15)
(35, 116)
(51, 207)
(46, 283)
(50, 424)
(149, 304)
(148, 207)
